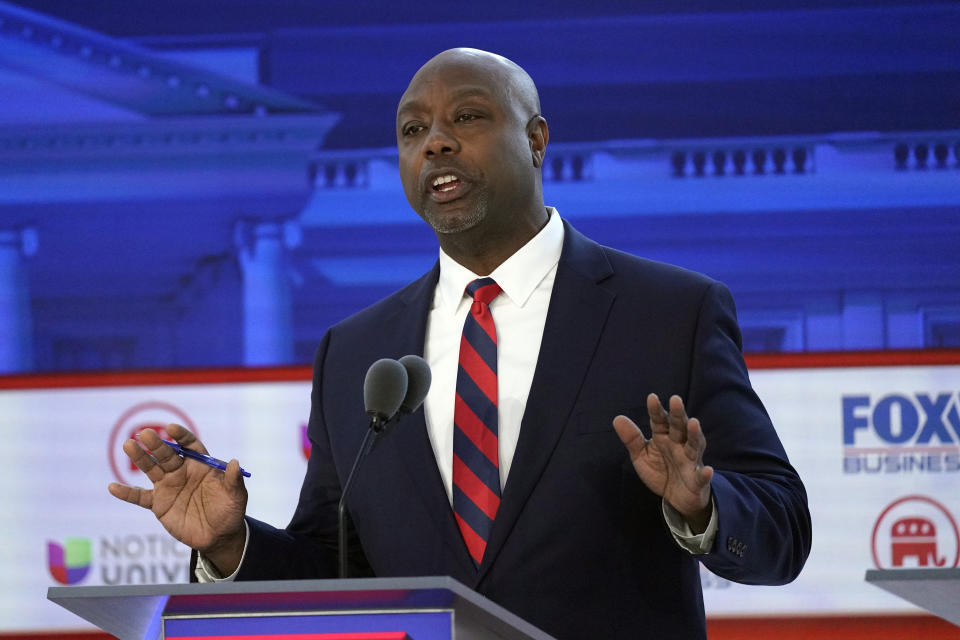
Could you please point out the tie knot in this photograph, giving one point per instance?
(484, 290)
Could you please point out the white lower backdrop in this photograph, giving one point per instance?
(878, 449)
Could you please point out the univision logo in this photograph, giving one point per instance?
(70, 563)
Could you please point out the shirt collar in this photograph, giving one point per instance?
(519, 274)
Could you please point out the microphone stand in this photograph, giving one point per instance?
(377, 425)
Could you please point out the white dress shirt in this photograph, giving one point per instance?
(520, 313)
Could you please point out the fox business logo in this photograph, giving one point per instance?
(901, 433)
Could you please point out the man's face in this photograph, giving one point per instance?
(464, 155)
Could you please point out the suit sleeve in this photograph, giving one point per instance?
(307, 547)
(764, 522)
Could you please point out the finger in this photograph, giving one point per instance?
(185, 438)
(658, 415)
(696, 443)
(133, 495)
(143, 460)
(630, 435)
(232, 478)
(677, 420)
(704, 476)
(165, 457)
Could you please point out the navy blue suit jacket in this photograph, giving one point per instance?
(579, 547)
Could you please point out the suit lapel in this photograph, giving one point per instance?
(575, 319)
(409, 439)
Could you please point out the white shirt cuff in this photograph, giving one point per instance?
(695, 544)
(206, 572)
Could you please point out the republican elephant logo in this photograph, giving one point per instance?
(915, 531)
(915, 537)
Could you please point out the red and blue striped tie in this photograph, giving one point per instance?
(476, 462)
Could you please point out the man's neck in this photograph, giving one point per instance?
(481, 251)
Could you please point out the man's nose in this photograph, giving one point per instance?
(440, 142)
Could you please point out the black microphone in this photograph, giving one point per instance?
(384, 391)
(385, 388)
(418, 383)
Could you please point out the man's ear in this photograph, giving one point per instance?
(539, 135)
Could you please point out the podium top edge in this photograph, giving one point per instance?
(887, 575)
(263, 586)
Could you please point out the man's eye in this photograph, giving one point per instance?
(412, 130)
(467, 117)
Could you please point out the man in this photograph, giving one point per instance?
(513, 480)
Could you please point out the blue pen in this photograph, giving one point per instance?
(210, 461)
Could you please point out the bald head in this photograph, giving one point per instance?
(518, 88)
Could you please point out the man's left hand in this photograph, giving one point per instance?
(670, 463)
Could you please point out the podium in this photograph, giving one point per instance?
(430, 608)
(936, 590)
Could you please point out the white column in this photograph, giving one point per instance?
(267, 291)
(16, 325)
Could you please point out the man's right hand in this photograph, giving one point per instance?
(200, 506)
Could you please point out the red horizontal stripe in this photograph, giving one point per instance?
(159, 377)
(475, 544)
(476, 430)
(473, 487)
(478, 370)
(846, 627)
(156, 377)
(831, 359)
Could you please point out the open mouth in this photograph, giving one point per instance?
(447, 187)
(445, 183)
